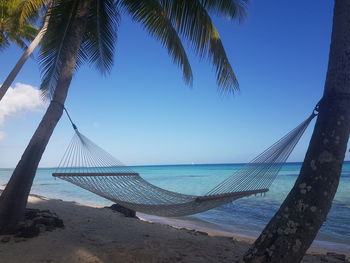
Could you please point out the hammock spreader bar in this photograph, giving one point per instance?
(87, 165)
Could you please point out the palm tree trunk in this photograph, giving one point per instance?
(14, 72)
(293, 228)
(14, 198)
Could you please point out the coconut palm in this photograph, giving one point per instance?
(21, 11)
(295, 225)
(85, 31)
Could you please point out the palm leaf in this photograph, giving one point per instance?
(153, 17)
(233, 9)
(193, 22)
(99, 42)
(11, 29)
(29, 9)
(55, 42)
(27, 32)
(4, 42)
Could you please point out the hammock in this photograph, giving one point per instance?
(87, 165)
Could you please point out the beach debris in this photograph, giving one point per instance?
(37, 221)
(5, 239)
(202, 233)
(121, 209)
(340, 257)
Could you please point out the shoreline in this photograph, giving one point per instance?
(100, 235)
(317, 247)
(215, 230)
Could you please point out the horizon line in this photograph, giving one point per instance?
(181, 164)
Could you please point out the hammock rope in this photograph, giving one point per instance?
(87, 165)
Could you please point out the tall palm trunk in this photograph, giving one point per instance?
(293, 228)
(14, 198)
(14, 72)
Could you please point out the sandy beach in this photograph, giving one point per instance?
(100, 235)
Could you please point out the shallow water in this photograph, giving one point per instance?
(247, 216)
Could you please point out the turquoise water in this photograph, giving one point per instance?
(247, 215)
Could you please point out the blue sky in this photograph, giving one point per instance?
(143, 113)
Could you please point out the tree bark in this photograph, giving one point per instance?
(293, 228)
(14, 198)
(14, 72)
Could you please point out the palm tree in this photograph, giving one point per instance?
(21, 12)
(84, 31)
(295, 225)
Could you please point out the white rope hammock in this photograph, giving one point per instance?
(87, 165)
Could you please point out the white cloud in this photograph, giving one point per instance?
(21, 98)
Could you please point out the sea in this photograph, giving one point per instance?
(246, 216)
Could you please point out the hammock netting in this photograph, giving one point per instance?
(87, 165)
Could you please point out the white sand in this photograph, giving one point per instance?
(100, 235)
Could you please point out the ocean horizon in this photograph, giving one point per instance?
(246, 216)
(165, 165)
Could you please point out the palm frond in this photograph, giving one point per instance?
(233, 9)
(193, 22)
(20, 34)
(4, 42)
(55, 42)
(29, 9)
(20, 43)
(154, 19)
(11, 29)
(225, 76)
(101, 33)
(27, 32)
